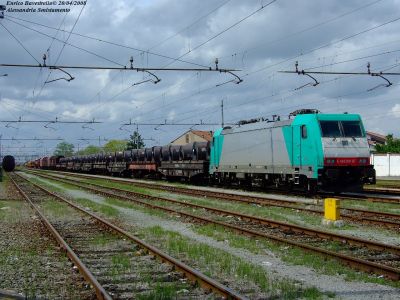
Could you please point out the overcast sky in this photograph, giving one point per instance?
(324, 35)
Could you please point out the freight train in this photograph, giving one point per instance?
(309, 150)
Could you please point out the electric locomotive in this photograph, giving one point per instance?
(309, 150)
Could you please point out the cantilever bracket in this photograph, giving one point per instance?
(48, 127)
(315, 83)
(124, 129)
(237, 79)
(154, 75)
(384, 78)
(62, 78)
(87, 127)
(8, 125)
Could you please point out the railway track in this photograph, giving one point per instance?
(389, 220)
(384, 191)
(117, 264)
(358, 253)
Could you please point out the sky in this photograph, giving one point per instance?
(255, 38)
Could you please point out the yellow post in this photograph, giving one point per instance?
(332, 209)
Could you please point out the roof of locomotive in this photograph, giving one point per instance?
(263, 124)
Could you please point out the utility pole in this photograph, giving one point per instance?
(222, 112)
(137, 136)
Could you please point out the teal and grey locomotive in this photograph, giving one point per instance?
(309, 150)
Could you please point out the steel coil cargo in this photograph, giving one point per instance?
(8, 163)
(148, 154)
(157, 153)
(165, 153)
(135, 155)
(175, 152)
(201, 150)
(187, 152)
(141, 154)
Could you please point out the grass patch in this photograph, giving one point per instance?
(376, 206)
(120, 264)
(214, 262)
(102, 240)
(163, 291)
(292, 255)
(386, 183)
(102, 208)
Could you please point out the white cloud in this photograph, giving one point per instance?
(396, 110)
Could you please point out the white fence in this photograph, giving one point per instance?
(386, 164)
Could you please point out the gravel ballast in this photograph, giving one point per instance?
(272, 264)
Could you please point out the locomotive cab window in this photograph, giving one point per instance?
(352, 129)
(330, 129)
(303, 131)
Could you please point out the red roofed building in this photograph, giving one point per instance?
(193, 136)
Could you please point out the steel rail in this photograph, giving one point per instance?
(89, 277)
(269, 202)
(358, 263)
(193, 275)
(394, 191)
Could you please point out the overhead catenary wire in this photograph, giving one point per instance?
(347, 13)
(138, 69)
(187, 27)
(19, 42)
(225, 30)
(269, 43)
(321, 47)
(368, 73)
(61, 51)
(31, 139)
(56, 121)
(111, 43)
(152, 47)
(238, 80)
(67, 43)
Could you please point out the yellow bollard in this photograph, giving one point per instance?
(332, 209)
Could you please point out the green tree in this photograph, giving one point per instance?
(90, 150)
(136, 141)
(64, 149)
(392, 145)
(115, 145)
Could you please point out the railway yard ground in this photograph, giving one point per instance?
(251, 245)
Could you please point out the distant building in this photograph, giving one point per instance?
(375, 139)
(193, 136)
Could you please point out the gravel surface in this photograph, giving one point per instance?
(273, 265)
(30, 262)
(7, 189)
